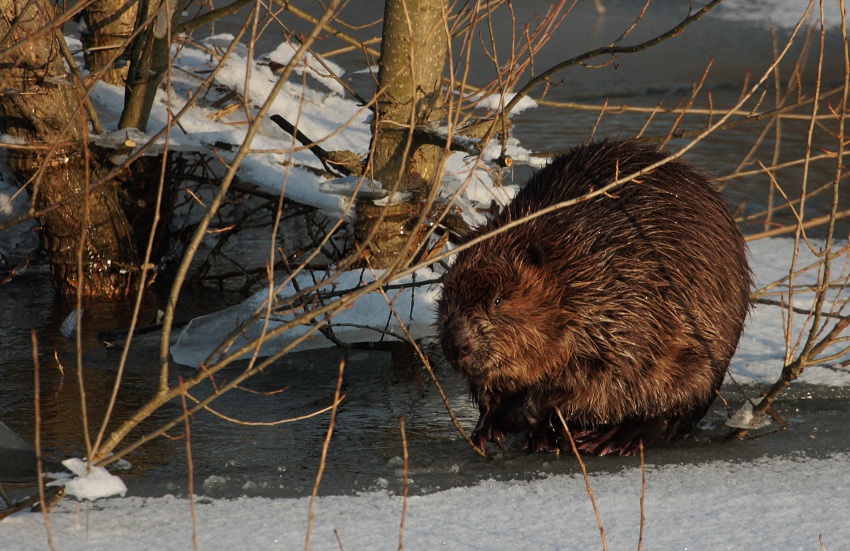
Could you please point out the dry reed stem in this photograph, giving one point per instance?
(261, 423)
(324, 457)
(406, 490)
(798, 215)
(164, 393)
(642, 494)
(429, 368)
(586, 480)
(79, 82)
(813, 342)
(783, 112)
(190, 466)
(39, 469)
(81, 246)
(145, 268)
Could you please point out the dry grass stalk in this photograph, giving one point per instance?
(190, 467)
(642, 495)
(324, 457)
(406, 490)
(39, 469)
(586, 481)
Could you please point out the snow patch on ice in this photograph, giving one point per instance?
(496, 102)
(89, 483)
(368, 321)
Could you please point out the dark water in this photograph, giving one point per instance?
(734, 49)
(366, 451)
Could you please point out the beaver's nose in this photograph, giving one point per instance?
(457, 340)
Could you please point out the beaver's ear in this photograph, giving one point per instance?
(536, 254)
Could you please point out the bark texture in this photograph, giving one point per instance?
(149, 57)
(413, 52)
(40, 107)
(109, 25)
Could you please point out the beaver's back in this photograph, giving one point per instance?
(627, 305)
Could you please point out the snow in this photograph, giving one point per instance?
(783, 14)
(496, 102)
(760, 354)
(310, 65)
(745, 419)
(365, 322)
(89, 483)
(765, 504)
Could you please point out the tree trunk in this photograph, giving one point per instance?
(149, 57)
(413, 53)
(40, 107)
(109, 25)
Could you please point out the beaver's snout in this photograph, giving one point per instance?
(457, 341)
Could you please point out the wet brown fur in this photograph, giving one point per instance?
(623, 311)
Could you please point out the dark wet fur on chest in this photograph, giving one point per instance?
(621, 311)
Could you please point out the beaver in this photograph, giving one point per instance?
(621, 311)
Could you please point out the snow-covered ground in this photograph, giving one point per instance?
(768, 504)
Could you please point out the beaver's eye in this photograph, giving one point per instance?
(497, 301)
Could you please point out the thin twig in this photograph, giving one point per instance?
(39, 467)
(190, 466)
(261, 423)
(145, 269)
(586, 480)
(79, 82)
(642, 494)
(429, 368)
(83, 243)
(406, 486)
(324, 453)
